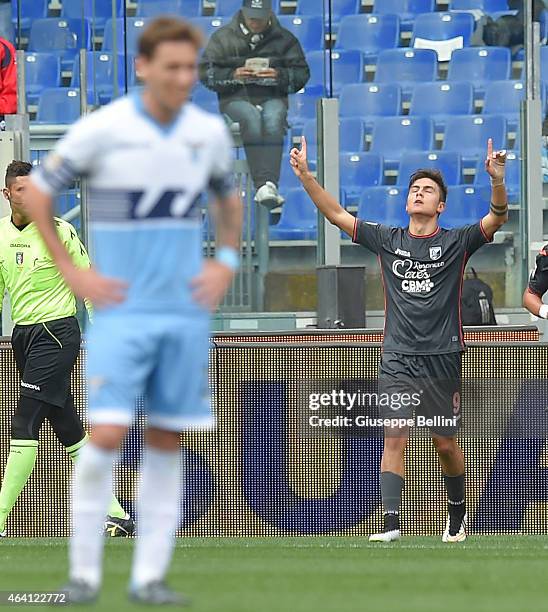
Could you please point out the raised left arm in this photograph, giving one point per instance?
(495, 166)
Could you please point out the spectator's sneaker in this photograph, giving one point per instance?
(4, 534)
(157, 593)
(268, 195)
(80, 592)
(455, 529)
(119, 527)
(391, 529)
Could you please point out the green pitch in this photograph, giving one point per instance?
(486, 574)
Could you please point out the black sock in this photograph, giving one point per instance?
(454, 485)
(391, 490)
(391, 521)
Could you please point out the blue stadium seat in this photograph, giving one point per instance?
(348, 67)
(447, 162)
(504, 98)
(369, 33)
(394, 136)
(406, 66)
(339, 8)
(134, 28)
(308, 30)
(24, 12)
(440, 99)
(209, 25)
(369, 101)
(465, 204)
(351, 136)
(97, 11)
(487, 6)
(480, 64)
(205, 98)
(302, 107)
(406, 9)
(435, 30)
(357, 171)
(100, 76)
(42, 70)
(228, 8)
(468, 135)
(184, 8)
(64, 37)
(513, 176)
(384, 205)
(58, 106)
(299, 218)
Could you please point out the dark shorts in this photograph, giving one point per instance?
(45, 354)
(426, 387)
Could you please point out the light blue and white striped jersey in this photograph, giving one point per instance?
(144, 183)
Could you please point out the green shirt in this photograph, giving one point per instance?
(37, 290)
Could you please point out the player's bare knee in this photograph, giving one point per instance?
(163, 439)
(394, 444)
(108, 436)
(445, 446)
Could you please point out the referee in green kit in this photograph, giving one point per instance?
(46, 343)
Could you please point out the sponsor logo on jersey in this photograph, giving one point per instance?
(435, 253)
(415, 275)
(19, 245)
(19, 258)
(403, 253)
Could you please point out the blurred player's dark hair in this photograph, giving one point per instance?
(433, 175)
(17, 168)
(168, 29)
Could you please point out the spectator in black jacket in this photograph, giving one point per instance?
(508, 30)
(253, 64)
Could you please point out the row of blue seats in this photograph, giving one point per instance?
(437, 100)
(406, 67)
(475, 64)
(298, 221)
(391, 137)
(101, 10)
(43, 71)
(369, 35)
(358, 170)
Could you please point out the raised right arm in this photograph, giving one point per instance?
(324, 201)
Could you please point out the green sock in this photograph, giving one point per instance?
(20, 463)
(114, 509)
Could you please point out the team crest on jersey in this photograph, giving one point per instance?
(435, 253)
(19, 258)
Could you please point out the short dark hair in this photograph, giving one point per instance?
(168, 29)
(433, 175)
(15, 169)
